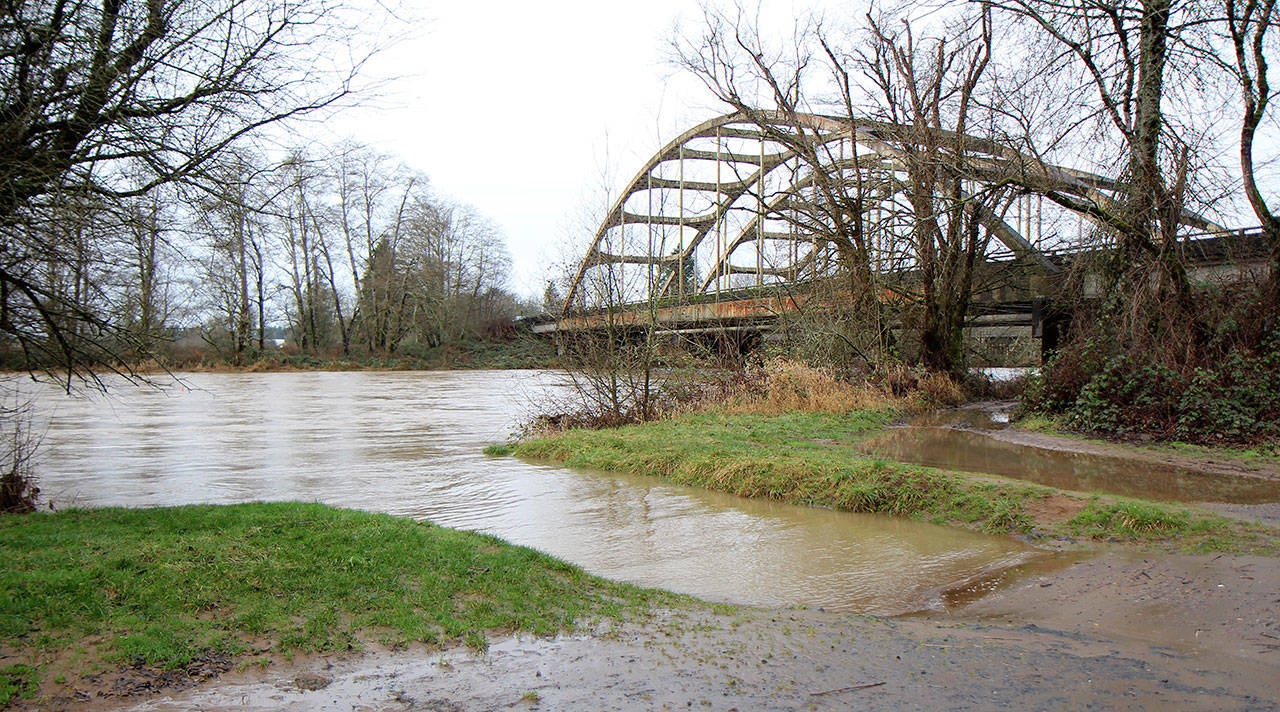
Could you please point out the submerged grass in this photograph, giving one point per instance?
(164, 586)
(808, 459)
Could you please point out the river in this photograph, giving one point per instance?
(409, 444)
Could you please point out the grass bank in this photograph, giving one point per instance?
(85, 592)
(810, 459)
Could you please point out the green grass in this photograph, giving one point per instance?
(801, 458)
(1134, 519)
(808, 459)
(1040, 424)
(18, 682)
(162, 586)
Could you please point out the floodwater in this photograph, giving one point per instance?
(961, 440)
(410, 444)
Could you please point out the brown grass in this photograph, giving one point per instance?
(777, 387)
(939, 389)
(792, 386)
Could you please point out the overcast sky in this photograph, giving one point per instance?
(522, 109)
(518, 108)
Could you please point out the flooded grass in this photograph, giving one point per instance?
(165, 587)
(813, 459)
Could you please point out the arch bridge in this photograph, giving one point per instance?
(728, 222)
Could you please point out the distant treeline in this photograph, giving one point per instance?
(342, 254)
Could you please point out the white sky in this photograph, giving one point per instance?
(525, 109)
(518, 108)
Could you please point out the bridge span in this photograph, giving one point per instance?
(729, 225)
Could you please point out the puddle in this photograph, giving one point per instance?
(954, 441)
(995, 417)
(965, 593)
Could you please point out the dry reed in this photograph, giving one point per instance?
(789, 386)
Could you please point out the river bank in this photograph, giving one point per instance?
(409, 444)
(822, 459)
(1096, 638)
(521, 352)
(95, 598)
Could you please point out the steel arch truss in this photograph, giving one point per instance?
(724, 205)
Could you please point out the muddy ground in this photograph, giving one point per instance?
(1110, 631)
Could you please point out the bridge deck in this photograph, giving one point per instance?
(1221, 258)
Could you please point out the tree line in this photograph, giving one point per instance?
(349, 252)
(143, 196)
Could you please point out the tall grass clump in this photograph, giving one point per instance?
(1140, 520)
(790, 386)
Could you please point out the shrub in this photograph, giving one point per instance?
(1217, 384)
(18, 490)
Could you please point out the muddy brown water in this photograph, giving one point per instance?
(410, 444)
(960, 440)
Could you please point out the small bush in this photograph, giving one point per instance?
(18, 490)
(940, 389)
(793, 386)
(1236, 401)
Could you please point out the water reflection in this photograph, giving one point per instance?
(409, 444)
(958, 448)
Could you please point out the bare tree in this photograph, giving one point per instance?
(733, 62)
(457, 255)
(930, 92)
(1251, 26)
(231, 210)
(106, 100)
(296, 229)
(374, 194)
(1110, 62)
(922, 97)
(146, 280)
